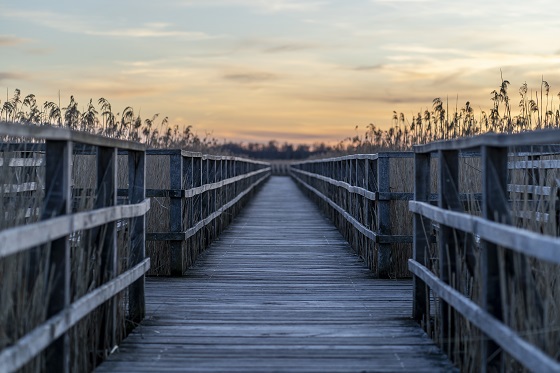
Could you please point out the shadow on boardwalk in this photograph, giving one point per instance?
(279, 291)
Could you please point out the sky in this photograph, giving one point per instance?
(301, 71)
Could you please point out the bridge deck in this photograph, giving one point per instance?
(279, 291)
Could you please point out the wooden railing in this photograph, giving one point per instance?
(360, 193)
(197, 197)
(76, 225)
(491, 280)
(280, 167)
(50, 248)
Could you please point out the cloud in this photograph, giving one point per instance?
(54, 20)
(376, 67)
(290, 47)
(12, 76)
(80, 25)
(150, 32)
(359, 97)
(39, 51)
(268, 6)
(403, 1)
(11, 40)
(250, 77)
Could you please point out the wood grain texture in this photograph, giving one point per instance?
(281, 291)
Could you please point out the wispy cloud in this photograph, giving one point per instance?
(151, 30)
(271, 6)
(291, 47)
(375, 67)
(278, 45)
(39, 51)
(53, 20)
(403, 1)
(12, 76)
(11, 40)
(81, 25)
(250, 77)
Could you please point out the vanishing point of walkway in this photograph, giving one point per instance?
(279, 291)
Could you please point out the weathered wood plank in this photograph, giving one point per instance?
(523, 241)
(63, 134)
(280, 290)
(530, 356)
(27, 236)
(548, 136)
(27, 347)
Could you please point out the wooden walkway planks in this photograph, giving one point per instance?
(280, 291)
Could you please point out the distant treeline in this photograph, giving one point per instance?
(275, 150)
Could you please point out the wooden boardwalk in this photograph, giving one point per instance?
(280, 291)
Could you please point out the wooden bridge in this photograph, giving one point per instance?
(280, 291)
(282, 288)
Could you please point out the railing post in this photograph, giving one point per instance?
(197, 202)
(361, 205)
(495, 207)
(420, 245)
(187, 216)
(106, 237)
(177, 264)
(204, 201)
(383, 217)
(137, 232)
(448, 198)
(371, 185)
(58, 202)
(213, 198)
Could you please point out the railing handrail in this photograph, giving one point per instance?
(63, 134)
(22, 238)
(532, 138)
(58, 223)
(358, 176)
(494, 229)
(370, 156)
(207, 186)
(191, 154)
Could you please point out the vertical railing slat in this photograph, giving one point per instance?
(383, 217)
(495, 207)
(177, 256)
(58, 202)
(448, 198)
(106, 237)
(137, 233)
(420, 245)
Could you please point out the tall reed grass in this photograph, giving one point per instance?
(25, 286)
(530, 293)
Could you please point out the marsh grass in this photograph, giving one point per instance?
(530, 288)
(25, 287)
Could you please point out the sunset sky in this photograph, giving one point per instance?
(255, 70)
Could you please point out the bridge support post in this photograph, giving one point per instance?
(137, 233)
(58, 202)
(420, 246)
(371, 185)
(449, 240)
(106, 238)
(495, 207)
(197, 203)
(177, 264)
(187, 217)
(383, 217)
